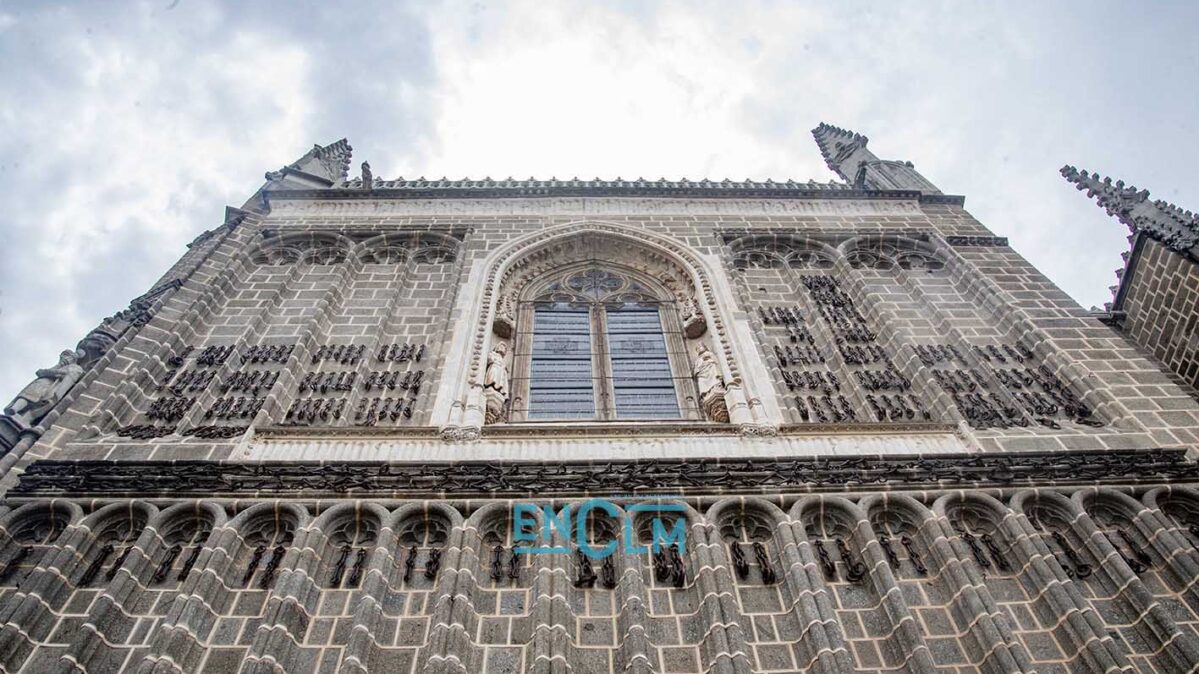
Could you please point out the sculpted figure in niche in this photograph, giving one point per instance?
(495, 384)
(692, 318)
(40, 395)
(711, 385)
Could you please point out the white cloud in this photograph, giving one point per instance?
(125, 129)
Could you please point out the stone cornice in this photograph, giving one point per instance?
(497, 189)
(314, 205)
(600, 430)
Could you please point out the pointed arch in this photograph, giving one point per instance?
(690, 278)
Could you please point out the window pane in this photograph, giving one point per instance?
(641, 377)
(560, 370)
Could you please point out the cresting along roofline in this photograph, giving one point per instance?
(495, 189)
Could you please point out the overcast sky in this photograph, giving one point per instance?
(125, 128)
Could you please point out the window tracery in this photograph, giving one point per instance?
(327, 248)
(598, 343)
(753, 253)
(888, 253)
(28, 539)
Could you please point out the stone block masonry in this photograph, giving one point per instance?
(892, 443)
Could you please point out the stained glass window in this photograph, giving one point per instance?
(642, 381)
(597, 349)
(560, 370)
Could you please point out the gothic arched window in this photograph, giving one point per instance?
(596, 344)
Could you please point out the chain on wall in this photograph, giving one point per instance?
(389, 382)
(886, 391)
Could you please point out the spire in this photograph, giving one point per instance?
(1175, 228)
(322, 166)
(837, 145)
(846, 155)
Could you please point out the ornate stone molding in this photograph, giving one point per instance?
(208, 479)
(979, 241)
(460, 433)
(1178, 229)
(380, 205)
(673, 264)
(329, 246)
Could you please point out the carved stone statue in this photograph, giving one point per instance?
(100, 340)
(694, 323)
(368, 178)
(495, 384)
(40, 395)
(505, 316)
(711, 385)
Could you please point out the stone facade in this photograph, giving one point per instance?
(311, 447)
(1156, 302)
(1161, 309)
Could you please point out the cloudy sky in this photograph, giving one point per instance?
(125, 128)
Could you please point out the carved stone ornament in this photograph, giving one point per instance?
(100, 339)
(979, 241)
(504, 323)
(711, 386)
(137, 314)
(495, 384)
(491, 478)
(460, 433)
(368, 178)
(670, 264)
(692, 318)
(41, 394)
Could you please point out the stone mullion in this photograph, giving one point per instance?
(28, 614)
(181, 639)
(1011, 313)
(331, 301)
(450, 646)
(540, 612)
(764, 340)
(566, 620)
(821, 647)
(635, 653)
(199, 312)
(1091, 644)
(822, 331)
(251, 335)
(251, 332)
(290, 604)
(905, 361)
(385, 326)
(1181, 645)
(723, 648)
(549, 603)
(975, 364)
(113, 616)
(369, 617)
(985, 624)
(1178, 553)
(905, 633)
(972, 362)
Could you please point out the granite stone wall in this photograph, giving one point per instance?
(1160, 306)
(1062, 580)
(342, 330)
